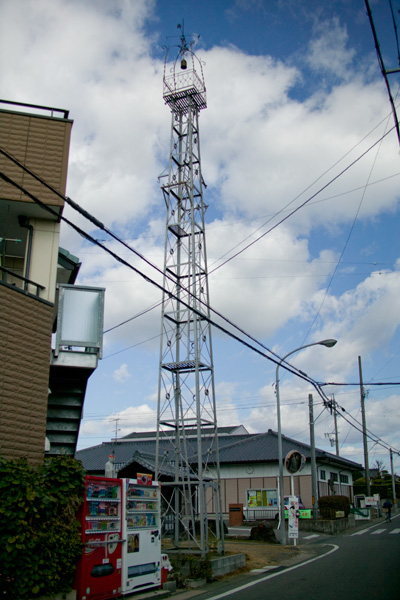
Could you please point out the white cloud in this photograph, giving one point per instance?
(122, 374)
(329, 51)
(265, 150)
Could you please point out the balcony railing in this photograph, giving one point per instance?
(21, 283)
(47, 111)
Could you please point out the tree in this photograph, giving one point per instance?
(380, 467)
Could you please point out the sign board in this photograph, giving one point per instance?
(371, 500)
(293, 525)
(304, 513)
(144, 479)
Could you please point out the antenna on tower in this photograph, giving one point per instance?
(116, 420)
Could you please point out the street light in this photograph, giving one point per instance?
(328, 343)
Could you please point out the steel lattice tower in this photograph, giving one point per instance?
(187, 440)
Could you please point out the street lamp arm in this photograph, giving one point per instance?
(328, 343)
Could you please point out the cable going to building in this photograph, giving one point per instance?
(275, 358)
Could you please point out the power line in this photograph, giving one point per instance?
(305, 201)
(148, 279)
(282, 210)
(384, 72)
(360, 428)
(101, 226)
(84, 234)
(346, 243)
(140, 314)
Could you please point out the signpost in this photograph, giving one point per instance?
(294, 462)
(293, 528)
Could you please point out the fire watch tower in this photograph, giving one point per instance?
(187, 440)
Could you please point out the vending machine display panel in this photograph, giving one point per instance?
(141, 530)
(99, 571)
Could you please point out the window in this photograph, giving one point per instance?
(322, 474)
(333, 476)
(344, 479)
(262, 498)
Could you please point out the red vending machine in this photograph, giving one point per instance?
(98, 573)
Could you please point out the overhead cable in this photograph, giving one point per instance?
(305, 201)
(148, 279)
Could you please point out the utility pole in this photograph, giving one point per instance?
(332, 407)
(335, 422)
(314, 489)
(393, 481)
(366, 463)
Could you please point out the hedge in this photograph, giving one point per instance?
(40, 540)
(329, 505)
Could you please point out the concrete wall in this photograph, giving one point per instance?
(44, 259)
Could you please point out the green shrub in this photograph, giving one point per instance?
(329, 505)
(39, 534)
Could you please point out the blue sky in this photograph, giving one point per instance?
(296, 104)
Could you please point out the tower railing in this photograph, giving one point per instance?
(180, 86)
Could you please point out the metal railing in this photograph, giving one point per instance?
(259, 514)
(6, 275)
(38, 107)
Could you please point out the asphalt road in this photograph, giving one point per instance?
(361, 565)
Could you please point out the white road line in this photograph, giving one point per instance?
(310, 537)
(395, 531)
(378, 531)
(362, 531)
(257, 581)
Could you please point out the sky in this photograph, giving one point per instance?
(299, 156)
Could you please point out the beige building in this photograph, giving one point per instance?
(34, 149)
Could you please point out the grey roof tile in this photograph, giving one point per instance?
(259, 447)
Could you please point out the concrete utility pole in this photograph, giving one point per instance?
(335, 421)
(393, 481)
(314, 489)
(366, 463)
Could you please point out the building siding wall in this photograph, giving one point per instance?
(235, 481)
(25, 341)
(42, 145)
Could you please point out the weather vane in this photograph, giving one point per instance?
(184, 47)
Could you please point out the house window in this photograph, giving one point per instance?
(333, 476)
(262, 498)
(322, 474)
(344, 479)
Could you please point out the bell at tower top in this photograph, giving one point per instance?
(183, 78)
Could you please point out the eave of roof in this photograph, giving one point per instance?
(248, 448)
